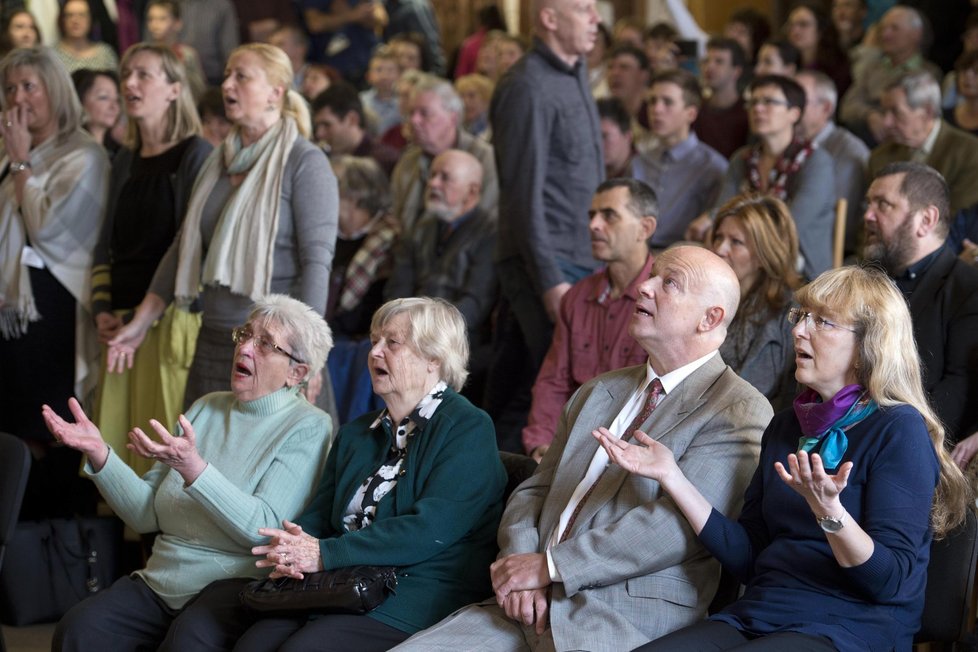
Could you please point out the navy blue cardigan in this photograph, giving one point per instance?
(779, 551)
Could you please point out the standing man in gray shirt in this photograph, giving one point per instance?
(547, 142)
(211, 28)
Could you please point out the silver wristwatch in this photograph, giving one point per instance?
(17, 168)
(832, 524)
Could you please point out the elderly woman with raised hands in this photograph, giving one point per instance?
(53, 180)
(756, 236)
(418, 486)
(834, 537)
(152, 177)
(245, 460)
(262, 218)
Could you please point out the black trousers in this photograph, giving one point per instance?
(215, 620)
(126, 617)
(709, 635)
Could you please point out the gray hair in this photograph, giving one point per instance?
(437, 332)
(825, 90)
(306, 332)
(63, 100)
(443, 90)
(921, 89)
(361, 180)
(641, 197)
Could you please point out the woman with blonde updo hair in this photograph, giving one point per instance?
(261, 219)
(755, 234)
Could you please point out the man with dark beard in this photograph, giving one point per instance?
(907, 220)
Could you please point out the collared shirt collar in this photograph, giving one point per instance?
(544, 50)
(821, 136)
(909, 279)
(910, 64)
(421, 413)
(680, 150)
(928, 145)
(671, 380)
(603, 291)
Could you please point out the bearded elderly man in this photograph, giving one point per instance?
(591, 557)
(436, 126)
(449, 252)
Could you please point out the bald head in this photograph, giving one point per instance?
(685, 307)
(901, 33)
(454, 185)
(568, 27)
(714, 280)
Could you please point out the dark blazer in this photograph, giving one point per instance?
(458, 269)
(944, 308)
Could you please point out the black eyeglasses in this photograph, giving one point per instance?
(766, 102)
(817, 322)
(263, 344)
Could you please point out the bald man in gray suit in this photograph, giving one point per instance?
(593, 558)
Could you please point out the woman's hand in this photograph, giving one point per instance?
(651, 459)
(16, 137)
(290, 553)
(808, 478)
(107, 324)
(122, 347)
(82, 435)
(179, 453)
(964, 451)
(969, 252)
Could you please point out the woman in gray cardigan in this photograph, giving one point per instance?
(262, 218)
(755, 234)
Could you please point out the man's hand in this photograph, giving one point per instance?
(518, 573)
(551, 300)
(528, 607)
(698, 228)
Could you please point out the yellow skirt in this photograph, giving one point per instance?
(152, 389)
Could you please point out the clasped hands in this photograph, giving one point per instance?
(290, 552)
(521, 585)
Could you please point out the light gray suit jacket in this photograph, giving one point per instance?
(632, 569)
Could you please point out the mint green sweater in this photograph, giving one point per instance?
(264, 458)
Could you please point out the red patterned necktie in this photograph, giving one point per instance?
(653, 392)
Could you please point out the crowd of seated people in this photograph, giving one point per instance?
(596, 250)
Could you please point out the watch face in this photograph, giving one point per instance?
(830, 524)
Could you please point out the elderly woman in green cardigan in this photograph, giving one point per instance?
(418, 486)
(245, 460)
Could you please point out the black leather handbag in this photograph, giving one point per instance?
(349, 590)
(51, 565)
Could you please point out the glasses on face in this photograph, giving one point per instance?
(766, 102)
(263, 344)
(817, 322)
